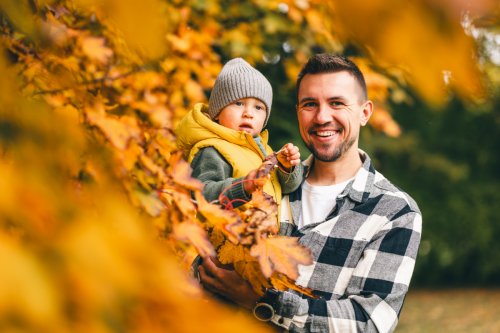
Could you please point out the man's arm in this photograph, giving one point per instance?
(374, 293)
(372, 299)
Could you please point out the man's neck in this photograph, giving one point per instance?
(330, 173)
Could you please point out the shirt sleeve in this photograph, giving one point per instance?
(375, 292)
(216, 174)
(291, 181)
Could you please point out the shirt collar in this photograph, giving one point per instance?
(360, 187)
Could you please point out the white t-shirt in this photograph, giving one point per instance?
(318, 201)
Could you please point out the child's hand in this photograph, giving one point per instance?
(252, 183)
(288, 156)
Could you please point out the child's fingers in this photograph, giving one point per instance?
(292, 150)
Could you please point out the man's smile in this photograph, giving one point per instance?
(325, 133)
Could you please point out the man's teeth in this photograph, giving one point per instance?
(325, 133)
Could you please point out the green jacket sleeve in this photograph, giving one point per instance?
(291, 181)
(216, 174)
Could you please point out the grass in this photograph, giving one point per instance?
(457, 310)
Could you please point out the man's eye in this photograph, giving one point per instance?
(308, 106)
(337, 104)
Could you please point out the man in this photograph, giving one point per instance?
(363, 232)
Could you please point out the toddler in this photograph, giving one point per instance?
(225, 143)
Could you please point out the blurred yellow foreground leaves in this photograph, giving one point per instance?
(97, 221)
(425, 39)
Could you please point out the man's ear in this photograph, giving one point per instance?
(366, 112)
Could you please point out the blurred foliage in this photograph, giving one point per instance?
(448, 160)
(97, 225)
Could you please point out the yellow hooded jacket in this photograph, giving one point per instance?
(196, 131)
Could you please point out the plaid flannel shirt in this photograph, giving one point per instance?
(363, 258)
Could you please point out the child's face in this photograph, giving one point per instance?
(246, 114)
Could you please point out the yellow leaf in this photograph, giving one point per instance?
(281, 254)
(142, 24)
(95, 48)
(250, 271)
(150, 165)
(179, 43)
(217, 237)
(230, 253)
(130, 155)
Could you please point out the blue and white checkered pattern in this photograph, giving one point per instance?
(364, 255)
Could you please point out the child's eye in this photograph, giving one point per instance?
(259, 107)
(239, 103)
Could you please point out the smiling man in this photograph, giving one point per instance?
(363, 231)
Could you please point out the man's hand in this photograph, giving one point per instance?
(288, 156)
(224, 281)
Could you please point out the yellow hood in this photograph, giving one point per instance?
(197, 126)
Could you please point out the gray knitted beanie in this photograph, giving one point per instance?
(238, 80)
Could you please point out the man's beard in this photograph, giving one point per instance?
(335, 155)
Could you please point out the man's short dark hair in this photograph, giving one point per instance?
(329, 63)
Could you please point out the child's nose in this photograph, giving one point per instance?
(247, 111)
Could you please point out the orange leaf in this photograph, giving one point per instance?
(181, 170)
(195, 235)
(281, 254)
(250, 271)
(230, 253)
(95, 48)
(218, 218)
(283, 282)
(184, 203)
(261, 217)
(118, 131)
(150, 202)
(382, 120)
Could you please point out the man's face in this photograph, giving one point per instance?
(331, 111)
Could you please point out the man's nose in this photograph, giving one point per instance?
(323, 114)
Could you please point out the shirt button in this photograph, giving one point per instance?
(281, 320)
